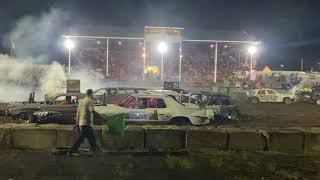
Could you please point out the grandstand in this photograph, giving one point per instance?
(122, 58)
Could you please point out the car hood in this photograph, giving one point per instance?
(23, 105)
(110, 109)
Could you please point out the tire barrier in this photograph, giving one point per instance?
(164, 138)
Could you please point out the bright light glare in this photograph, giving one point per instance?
(252, 49)
(162, 47)
(69, 44)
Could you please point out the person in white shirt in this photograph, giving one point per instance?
(84, 120)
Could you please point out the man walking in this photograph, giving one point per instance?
(84, 120)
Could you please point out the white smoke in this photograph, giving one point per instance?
(53, 80)
(32, 36)
(30, 41)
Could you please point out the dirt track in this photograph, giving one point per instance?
(279, 115)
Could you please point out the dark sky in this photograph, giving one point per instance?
(290, 29)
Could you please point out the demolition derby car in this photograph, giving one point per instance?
(151, 107)
(269, 95)
(65, 104)
(112, 95)
(308, 97)
(220, 104)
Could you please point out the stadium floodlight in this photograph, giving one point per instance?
(69, 44)
(252, 50)
(162, 47)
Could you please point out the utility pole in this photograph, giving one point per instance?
(301, 64)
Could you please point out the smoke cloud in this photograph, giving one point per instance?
(31, 41)
(33, 36)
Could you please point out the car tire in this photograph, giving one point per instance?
(180, 121)
(25, 116)
(254, 100)
(287, 100)
(318, 102)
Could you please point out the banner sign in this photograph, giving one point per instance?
(73, 86)
(170, 85)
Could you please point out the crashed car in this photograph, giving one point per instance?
(151, 107)
(316, 98)
(113, 95)
(269, 95)
(65, 104)
(220, 104)
(308, 97)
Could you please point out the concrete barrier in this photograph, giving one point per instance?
(5, 137)
(165, 139)
(133, 139)
(33, 138)
(66, 136)
(286, 141)
(198, 139)
(136, 138)
(312, 140)
(246, 139)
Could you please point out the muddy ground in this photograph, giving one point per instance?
(278, 115)
(210, 165)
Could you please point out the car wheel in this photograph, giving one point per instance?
(287, 100)
(318, 102)
(254, 100)
(180, 121)
(27, 116)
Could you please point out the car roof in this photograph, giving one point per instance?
(122, 88)
(67, 94)
(149, 95)
(159, 91)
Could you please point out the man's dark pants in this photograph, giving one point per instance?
(85, 132)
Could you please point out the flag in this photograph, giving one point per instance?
(116, 124)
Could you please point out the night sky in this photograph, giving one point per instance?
(289, 29)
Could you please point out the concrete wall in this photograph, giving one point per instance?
(163, 138)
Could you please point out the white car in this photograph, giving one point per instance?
(269, 95)
(157, 107)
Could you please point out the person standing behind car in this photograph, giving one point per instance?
(84, 120)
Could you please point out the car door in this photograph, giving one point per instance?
(122, 93)
(137, 108)
(272, 96)
(261, 94)
(158, 108)
(65, 104)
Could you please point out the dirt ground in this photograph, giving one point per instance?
(16, 165)
(279, 115)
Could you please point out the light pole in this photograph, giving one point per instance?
(215, 62)
(162, 48)
(252, 50)
(69, 44)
